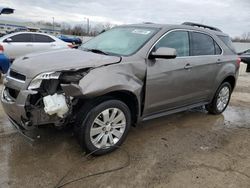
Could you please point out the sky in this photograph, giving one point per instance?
(231, 16)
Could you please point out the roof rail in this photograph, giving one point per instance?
(201, 25)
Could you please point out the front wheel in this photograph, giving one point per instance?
(105, 127)
(221, 99)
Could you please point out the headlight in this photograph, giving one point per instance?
(36, 82)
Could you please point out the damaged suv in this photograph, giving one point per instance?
(125, 75)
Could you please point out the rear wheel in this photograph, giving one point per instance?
(221, 99)
(105, 127)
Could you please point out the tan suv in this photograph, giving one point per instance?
(128, 74)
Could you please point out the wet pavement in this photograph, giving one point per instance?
(189, 149)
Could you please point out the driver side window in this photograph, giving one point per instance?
(178, 40)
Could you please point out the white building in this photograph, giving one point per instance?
(10, 26)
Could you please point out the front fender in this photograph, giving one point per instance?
(102, 80)
(112, 78)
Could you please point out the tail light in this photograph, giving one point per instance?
(71, 45)
(1, 48)
(238, 62)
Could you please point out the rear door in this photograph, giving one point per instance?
(43, 43)
(206, 62)
(20, 45)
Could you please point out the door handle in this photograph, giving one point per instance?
(29, 45)
(188, 66)
(53, 45)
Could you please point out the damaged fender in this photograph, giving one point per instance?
(129, 76)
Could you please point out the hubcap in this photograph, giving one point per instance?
(223, 98)
(108, 128)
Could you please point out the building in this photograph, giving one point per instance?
(12, 26)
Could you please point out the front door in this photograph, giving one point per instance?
(169, 80)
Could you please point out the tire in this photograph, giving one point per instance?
(99, 134)
(221, 99)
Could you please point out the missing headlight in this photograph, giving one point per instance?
(73, 76)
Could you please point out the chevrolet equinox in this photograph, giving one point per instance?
(125, 75)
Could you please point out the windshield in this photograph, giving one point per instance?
(122, 41)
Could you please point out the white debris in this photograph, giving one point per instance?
(204, 148)
(55, 104)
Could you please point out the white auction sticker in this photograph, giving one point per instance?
(140, 31)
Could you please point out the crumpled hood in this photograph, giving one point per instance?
(66, 59)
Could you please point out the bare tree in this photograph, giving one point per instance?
(245, 37)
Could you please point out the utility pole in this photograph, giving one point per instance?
(53, 24)
(88, 26)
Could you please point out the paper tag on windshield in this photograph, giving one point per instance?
(141, 32)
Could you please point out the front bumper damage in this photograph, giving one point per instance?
(15, 107)
(28, 109)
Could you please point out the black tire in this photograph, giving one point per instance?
(212, 107)
(86, 117)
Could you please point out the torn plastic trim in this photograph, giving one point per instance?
(20, 131)
(69, 76)
(73, 90)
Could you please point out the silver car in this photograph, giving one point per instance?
(125, 75)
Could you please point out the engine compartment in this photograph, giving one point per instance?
(49, 105)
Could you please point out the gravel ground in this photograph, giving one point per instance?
(189, 149)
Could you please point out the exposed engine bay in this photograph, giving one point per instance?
(50, 104)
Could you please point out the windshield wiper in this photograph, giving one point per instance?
(96, 51)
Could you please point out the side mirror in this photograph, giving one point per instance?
(8, 40)
(164, 52)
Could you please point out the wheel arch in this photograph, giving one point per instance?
(231, 80)
(228, 78)
(129, 98)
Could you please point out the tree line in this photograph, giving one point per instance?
(245, 37)
(80, 29)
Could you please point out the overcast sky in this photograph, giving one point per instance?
(232, 16)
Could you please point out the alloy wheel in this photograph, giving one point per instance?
(108, 128)
(223, 98)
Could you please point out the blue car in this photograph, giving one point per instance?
(74, 40)
(4, 63)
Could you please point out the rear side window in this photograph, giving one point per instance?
(218, 50)
(202, 44)
(26, 37)
(178, 40)
(227, 41)
(42, 38)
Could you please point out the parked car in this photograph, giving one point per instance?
(22, 43)
(125, 75)
(245, 58)
(4, 64)
(74, 40)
